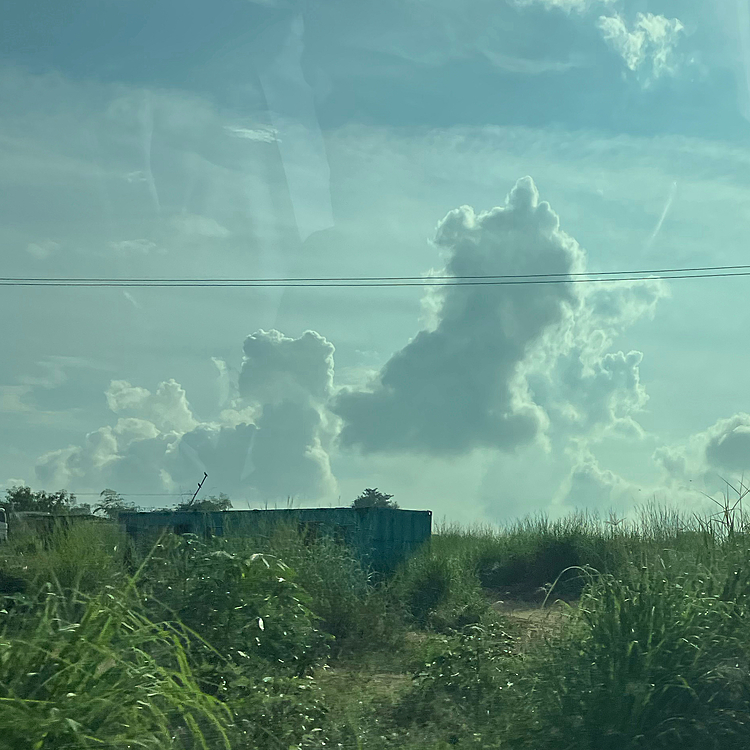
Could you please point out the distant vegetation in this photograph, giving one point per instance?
(207, 504)
(23, 499)
(110, 505)
(277, 644)
(372, 498)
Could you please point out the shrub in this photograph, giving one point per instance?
(240, 603)
(438, 591)
(348, 603)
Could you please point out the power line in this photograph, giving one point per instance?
(133, 494)
(100, 279)
(425, 281)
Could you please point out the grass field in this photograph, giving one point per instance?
(583, 633)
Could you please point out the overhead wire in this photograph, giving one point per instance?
(392, 281)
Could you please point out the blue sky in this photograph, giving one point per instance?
(279, 139)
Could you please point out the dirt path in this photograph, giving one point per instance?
(532, 621)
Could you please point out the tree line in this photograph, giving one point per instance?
(111, 503)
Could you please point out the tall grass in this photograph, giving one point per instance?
(80, 556)
(655, 658)
(80, 672)
(526, 556)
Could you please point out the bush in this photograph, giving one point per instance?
(342, 593)
(246, 604)
(269, 710)
(439, 592)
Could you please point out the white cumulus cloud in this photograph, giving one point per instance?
(43, 249)
(455, 386)
(270, 441)
(648, 45)
(501, 366)
(168, 408)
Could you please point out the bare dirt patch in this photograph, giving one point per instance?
(531, 618)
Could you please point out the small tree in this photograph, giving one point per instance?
(23, 499)
(112, 504)
(208, 504)
(372, 498)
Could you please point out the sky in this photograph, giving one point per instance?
(291, 139)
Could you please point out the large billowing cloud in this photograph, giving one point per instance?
(586, 389)
(276, 367)
(456, 387)
(590, 399)
(268, 443)
(495, 362)
(292, 379)
(106, 454)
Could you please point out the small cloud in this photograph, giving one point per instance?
(705, 458)
(168, 408)
(140, 246)
(648, 45)
(262, 134)
(42, 250)
(529, 66)
(672, 460)
(203, 226)
(11, 399)
(567, 6)
(728, 443)
(8, 483)
(54, 376)
(138, 176)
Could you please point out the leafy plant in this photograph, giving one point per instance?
(248, 603)
(461, 688)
